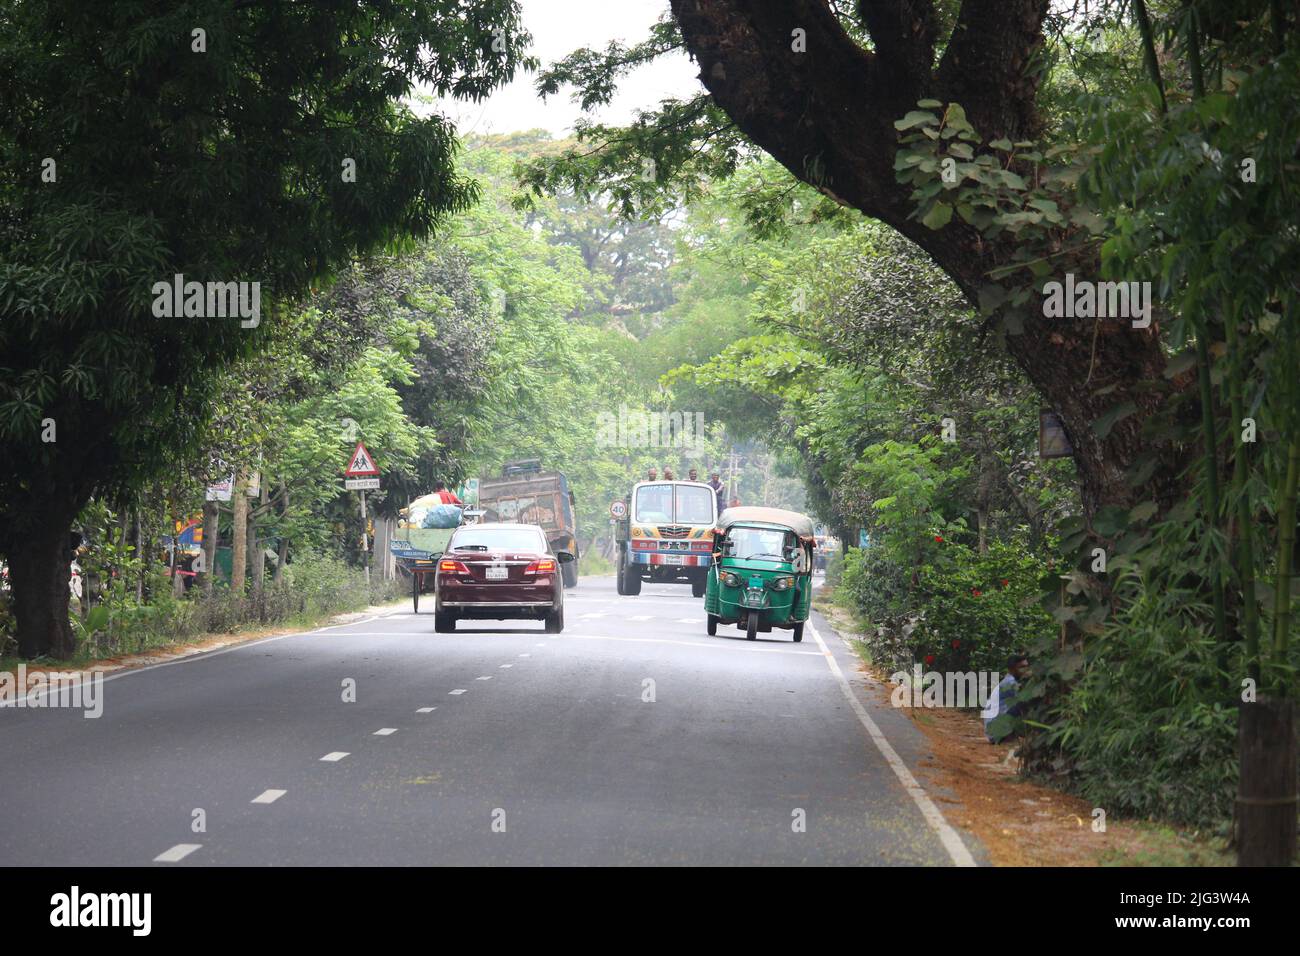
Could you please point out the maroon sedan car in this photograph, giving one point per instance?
(499, 572)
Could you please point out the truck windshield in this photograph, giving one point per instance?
(683, 504)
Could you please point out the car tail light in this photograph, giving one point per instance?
(540, 567)
(454, 567)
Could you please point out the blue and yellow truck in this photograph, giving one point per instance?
(666, 534)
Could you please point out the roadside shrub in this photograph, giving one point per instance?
(834, 568)
(980, 608)
(313, 586)
(1141, 717)
(962, 611)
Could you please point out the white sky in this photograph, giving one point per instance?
(559, 27)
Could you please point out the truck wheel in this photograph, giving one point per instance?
(698, 586)
(631, 580)
(415, 592)
(619, 570)
(751, 627)
(569, 573)
(798, 632)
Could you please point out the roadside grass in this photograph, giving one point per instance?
(1163, 845)
(594, 564)
(198, 621)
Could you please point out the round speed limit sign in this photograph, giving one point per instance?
(618, 509)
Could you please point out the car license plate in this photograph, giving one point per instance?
(497, 574)
(672, 559)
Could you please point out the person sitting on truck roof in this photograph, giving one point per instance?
(668, 473)
(445, 496)
(654, 474)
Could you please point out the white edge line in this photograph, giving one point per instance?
(947, 835)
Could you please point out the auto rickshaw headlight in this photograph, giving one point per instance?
(782, 584)
(731, 580)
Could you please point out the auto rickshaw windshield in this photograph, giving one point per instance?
(765, 543)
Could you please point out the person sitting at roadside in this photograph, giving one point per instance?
(1002, 705)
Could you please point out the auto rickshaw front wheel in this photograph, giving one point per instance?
(712, 624)
(798, 632)
(751, 626)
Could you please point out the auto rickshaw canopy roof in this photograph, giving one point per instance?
(800, 524)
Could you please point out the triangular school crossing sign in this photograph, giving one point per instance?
(361, 463)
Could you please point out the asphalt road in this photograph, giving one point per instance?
(631, 738)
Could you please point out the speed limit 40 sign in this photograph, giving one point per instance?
(618, 509)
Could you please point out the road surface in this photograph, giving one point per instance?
(632, 738)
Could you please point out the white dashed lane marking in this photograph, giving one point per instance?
(335, 756)
(485, 677)
(384, 731)
(425, 710)
(268, 796)
(177, 853)
(504, 666)
(525, 655)
(459, 690)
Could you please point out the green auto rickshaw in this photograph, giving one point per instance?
(761, 573)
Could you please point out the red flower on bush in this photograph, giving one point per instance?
(1005, 582)
(976, 591)
(929, 659)
(939, 538)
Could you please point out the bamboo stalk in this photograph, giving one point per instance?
(1212, 499)
(1149, 49)
(1245, 529)
(1286, 519)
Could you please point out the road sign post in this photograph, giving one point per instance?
(362, 473)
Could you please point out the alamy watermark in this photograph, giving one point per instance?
(49, 689)
(947, 689)
(640, 429)
(208, 300)
(1084, 299)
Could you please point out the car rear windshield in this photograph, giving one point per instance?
(498, 539)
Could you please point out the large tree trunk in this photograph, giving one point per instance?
(256, 550)
(210, 532)
(827, 115)
(39, 569)
(282, 553)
